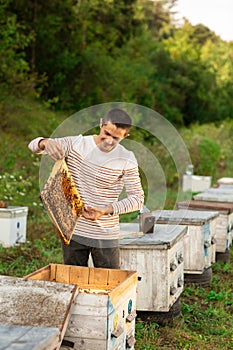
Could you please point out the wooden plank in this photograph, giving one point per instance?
(115, 277)
(63, 273)
(28, 338)
(198, 204)
(41, 274)
(127, 283)
(95, 344)
(91, 304)
(79, 275)
(84, 326)
(53, 272)
(98, 276)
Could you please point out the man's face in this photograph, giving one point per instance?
(110, 136)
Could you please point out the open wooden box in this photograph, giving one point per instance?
(104, 311)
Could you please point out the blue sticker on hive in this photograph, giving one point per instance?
(130, 305)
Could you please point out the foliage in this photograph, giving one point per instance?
(15, 78)
(76, 54)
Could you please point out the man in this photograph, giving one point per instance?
(100, 168)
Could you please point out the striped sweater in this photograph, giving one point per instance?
(100, 178)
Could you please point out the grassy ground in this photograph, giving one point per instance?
(206, 320)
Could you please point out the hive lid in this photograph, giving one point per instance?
(225, 181)
(162, 235)
(35, 303)
(13, 211)
(28, 338)
(222, 189)
(184, 216)
(205, 205)
(214, 196)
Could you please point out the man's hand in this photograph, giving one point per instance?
(94, 213)
(52, 148)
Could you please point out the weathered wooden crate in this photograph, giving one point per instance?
(224, 221)
(158, 258)
(39, 309)
(199, 246)
(104, 311)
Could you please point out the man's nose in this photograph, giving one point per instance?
(109, 139)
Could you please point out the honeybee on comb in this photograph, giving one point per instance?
(62, 201)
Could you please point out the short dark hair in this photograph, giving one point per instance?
(118, 117)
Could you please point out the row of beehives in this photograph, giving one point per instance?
(101, 313)
(91, 308)
(181, 247)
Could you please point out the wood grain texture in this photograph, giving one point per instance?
(151, 256)
(105, 299)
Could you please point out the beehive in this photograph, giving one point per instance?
(199, 246)
(158, 258)
(224, 221)
(215, 195)
(35, 313)
(13, 223)
(103, 314)
(196, 183)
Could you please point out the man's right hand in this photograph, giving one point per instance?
(52, 148)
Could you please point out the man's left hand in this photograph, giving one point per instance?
(94, 213)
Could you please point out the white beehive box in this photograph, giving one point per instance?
(196, 183)
(215, 195)
(199, 252)
(158, 259)
(224, 221)
(104, 311)
(13, 223)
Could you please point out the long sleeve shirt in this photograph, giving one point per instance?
(100, 178)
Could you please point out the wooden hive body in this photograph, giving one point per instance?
(199, 243)
(152, 255)
(224, 221)
(103, 313)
